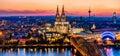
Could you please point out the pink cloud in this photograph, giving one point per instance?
(25, 12)
(47, 12)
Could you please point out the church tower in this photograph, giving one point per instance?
(57, 21)
(57, 15)
(63, 18)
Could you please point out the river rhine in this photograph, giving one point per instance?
(49, 52)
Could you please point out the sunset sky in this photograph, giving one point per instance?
(48, 7)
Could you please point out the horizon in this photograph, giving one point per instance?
(46, 7)
(54, 16)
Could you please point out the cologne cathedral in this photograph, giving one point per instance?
(61, 24)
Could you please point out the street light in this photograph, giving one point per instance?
(1, 33)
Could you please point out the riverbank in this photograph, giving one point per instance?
(38, 46)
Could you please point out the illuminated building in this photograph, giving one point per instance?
(118, 36)
(3, 22)
(61, 25)
(52, 36)
(77, 30)
(93, 26)
(48, 27)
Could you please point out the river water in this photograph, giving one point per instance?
(112, 52)
(49, 52)
(37, 52)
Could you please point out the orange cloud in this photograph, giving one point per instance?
(76, 7)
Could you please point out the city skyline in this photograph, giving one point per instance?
(59, 27)
(46, 7)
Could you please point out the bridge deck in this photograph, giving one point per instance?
(86, 48)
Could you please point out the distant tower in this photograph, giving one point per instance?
(57, 15)
(63, 18)
(114, 17)
(89, 11)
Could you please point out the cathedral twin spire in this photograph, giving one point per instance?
(63, 18)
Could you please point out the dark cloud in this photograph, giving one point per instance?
(24, 11)
(72, 13)
(31, 12)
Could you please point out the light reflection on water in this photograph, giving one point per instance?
(49, 52)
(36, 52)
(112, 52)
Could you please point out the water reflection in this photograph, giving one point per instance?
(109, 51)
(49, 52)
(37, 52)
(112, 52)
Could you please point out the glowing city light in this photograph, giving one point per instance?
(108, 33)
(1, 33)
